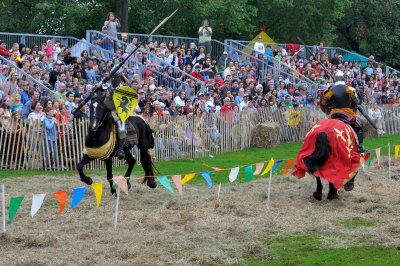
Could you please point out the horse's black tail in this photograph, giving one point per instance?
(321, 153)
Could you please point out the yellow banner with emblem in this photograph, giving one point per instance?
(125, 100)
(294, 118)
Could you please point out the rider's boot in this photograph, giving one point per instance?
(121, 131)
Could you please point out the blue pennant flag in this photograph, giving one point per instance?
(207, 177)
(276, 165)
(77, 196)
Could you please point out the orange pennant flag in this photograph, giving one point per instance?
(288, 164)
(62, 198)
(215, 168)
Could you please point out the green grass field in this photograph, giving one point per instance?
(310, 250)
(284, 249)
(227, 160)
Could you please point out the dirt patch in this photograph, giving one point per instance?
(158, 228)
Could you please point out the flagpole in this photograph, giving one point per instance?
(3, 207)
(390, 176)
(219, 190)
(270, 183)
(116, 209)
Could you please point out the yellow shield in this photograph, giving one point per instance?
(125, 101)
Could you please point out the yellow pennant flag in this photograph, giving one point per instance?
(98, 191)
(269, 167)
(396, 151)
(187, 178)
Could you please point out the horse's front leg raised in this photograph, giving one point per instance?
(84, 178)
(147, 165)
(110, 175)
(131, 163)
(318, 193)
(332, 192)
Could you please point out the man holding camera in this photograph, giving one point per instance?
(205, 33)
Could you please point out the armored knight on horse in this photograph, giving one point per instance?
(340, 102)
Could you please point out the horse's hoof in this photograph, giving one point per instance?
(152, 184)
(87, 180)
(349, 185)
(317, 196)
(333, 196)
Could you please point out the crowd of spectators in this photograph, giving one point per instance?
(231, 84)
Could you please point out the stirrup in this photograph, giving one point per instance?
(121, 155)
(360, 149)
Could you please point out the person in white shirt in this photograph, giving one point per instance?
(180, 99)
(37, 115)
(259, 46)
(173, 59)
(376, 116)
(245, 102)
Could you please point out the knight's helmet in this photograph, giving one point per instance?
(339, 76)
(116, 80)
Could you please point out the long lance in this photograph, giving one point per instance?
(330, 74)
(115, 69)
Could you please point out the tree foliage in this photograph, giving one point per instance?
(366, 26)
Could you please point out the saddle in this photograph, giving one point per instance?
(131, 135)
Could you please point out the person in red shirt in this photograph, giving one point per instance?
(227, 111)
(196, 73)
(3, 49)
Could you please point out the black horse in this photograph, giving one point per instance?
(329, 151)
(100, 143)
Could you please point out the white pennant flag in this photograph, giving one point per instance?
(37, 201)
(233, 174)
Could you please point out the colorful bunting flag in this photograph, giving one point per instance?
(62, 198)
(77, 196)
(259, 167)
(233, 174)
(215, 168)
(121, 183)
(98, 192)
(269, 167)
(187, 178)
(165, 182)
(276, 165)
(37, 201)
(396, 151)
(177, 180)
(369, 162)
(248, 170)
(288, 164)
(14, 206)
(378, 155)
(207, 177)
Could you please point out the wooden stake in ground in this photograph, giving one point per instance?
(3, 207)
(116, 209)
(270, 182)
(390, 175)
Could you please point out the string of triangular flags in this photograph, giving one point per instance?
(79, 192)
(61, 196)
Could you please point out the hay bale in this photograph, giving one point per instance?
(265, 135)
(369, 131)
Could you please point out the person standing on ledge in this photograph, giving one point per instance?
(205, 33)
